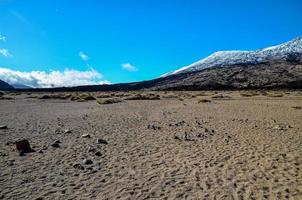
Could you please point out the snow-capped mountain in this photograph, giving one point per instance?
(229, 58)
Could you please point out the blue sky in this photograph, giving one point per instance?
(132, 40)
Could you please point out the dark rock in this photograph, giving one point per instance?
(101, 141)
(154, 127)
(98, 153)
(56, 144)
(3, 127)
(23, 146)
(176, 137)
(87, 162)
(86, 136)
(78, 166)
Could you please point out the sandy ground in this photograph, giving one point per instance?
(237, 148)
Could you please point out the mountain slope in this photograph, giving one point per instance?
(229, 58)
(21, 86)
(276, 74)
(275, 67)
(5, 86)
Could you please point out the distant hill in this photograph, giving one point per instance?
(274, 67)
(5, 86)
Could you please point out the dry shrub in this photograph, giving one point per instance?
(150, 96)
(45, 96)
(109, 101)
(14, 93)
(220, 96)
(201, 94)
(249, 94)
(6, 98)
(53, 96)
(273, 94)
(297, 107)
(32, 97)
(87, 97)
(204, 101)
(169, 96)
(74, 97)
(104, 96)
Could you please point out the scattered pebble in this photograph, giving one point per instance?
(101, 141)
(86, 136)
(87, 162)
(282, 127)
(3, 127)
(56, 144)
(154, 127)
(67, 131)
(98, 153)
(78, 166)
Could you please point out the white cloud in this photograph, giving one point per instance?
(5, 53)
(83, 56)
(44, 79)
(2, 38)
(129, 67)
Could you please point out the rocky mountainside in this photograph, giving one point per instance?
(5, 86)
(274, 74)
(288, 50)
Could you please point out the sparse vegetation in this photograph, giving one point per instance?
(204, 101)
(297, 107)
(6, 98)
(87, 97)
(273, 94)
(109, 101)
(104, 96)
(249, 94)
(45, 97)
(149, 96)
(220, 96)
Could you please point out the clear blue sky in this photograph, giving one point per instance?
(154, 36)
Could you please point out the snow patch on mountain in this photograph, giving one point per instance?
(229, 58)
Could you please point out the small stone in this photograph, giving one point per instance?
(87, 162)
(98, 153)
(78, 166)
(3, 127)
(23, 146)
(176, 137)
(101, 141)
(86, 136)
(67, 131)
(56, 144)
(154, 127)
